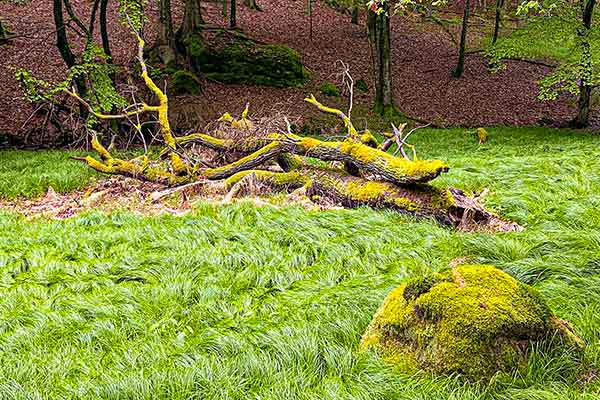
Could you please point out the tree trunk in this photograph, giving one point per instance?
(189, 35)
(460, 66)
(379, 35)
(93, 17)
(385, 181)
(192, 18)
(104, 30)
(585, 89)
(499, 5)
(165, 41)
(62, 43)
(232, 14)
(251, 4)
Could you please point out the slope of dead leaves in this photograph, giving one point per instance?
(422, 60)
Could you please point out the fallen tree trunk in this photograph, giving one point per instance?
(448, 206)
(356, 171)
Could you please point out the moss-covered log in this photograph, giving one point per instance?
(356, 171)
(449, 206)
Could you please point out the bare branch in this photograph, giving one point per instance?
(352, 132)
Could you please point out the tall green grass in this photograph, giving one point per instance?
(240, 302)
(29, 174)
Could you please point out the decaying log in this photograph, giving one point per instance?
(356, 171)
(448, 206)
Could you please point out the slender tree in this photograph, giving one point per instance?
(62, 43)
(460, 66)
(232, 14)
(104, 30)
(497, 20)
(378, 24)
(585, 82)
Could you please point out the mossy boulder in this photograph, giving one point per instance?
(473, 320)
(330, 89)
(185, 82)
(235, 59)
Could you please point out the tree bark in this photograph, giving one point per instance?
(104, 30)
(384, 181)
(165, 41)
(499, 5)
(460, 66)
(93, 17)
(62, 43)
(232, 14)
(189, 33)
(192, 18)
(585, 89)
(378, 25)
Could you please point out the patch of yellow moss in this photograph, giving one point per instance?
(473, 320)
(376, 192)
(441, 198)
(275, 178)
(368, 139)
(179, 167)
(397, 166)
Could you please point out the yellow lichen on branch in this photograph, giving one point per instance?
(352, 132)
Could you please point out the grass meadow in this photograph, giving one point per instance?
(247, 302)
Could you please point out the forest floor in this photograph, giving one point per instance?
(238, 301)
(423, 57)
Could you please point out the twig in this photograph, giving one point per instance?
(399, 140)
(156, 196)
(350, 85)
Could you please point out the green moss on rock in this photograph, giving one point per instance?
(185, 82)
(244, 62)
(473, 320)
(330, 89)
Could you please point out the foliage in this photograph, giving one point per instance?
(94, 68)
(132, 13)
(552, 33)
